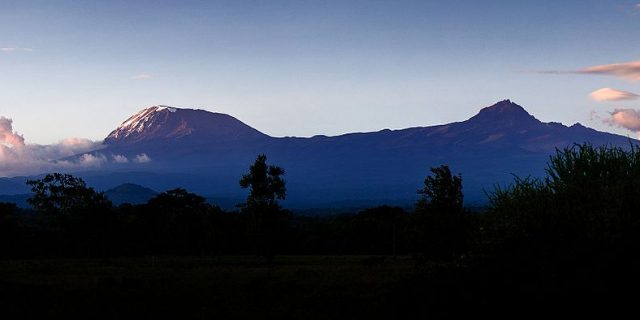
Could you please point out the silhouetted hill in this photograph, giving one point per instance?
(130, 193)
(207, 153)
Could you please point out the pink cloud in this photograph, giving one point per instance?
(625, 118)
(9, 138)
(627, 70)
(608, 94)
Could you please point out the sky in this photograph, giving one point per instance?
(72, 71)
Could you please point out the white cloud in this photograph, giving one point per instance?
(64, 148)
(142, 158)
(118, 158)
(142, 76)
(625, 118)
(14, 49)
(608, 94)
(92, 160)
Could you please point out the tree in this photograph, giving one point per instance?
(442, 191)
(80, 215)
(438, 215)
(62, 195)
(177, 221)
(265, 183)
(266, 187)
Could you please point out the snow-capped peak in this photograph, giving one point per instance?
(164, 123)
(139, 121)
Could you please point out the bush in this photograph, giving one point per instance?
(581, 216)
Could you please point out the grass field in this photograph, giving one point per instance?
(292, 287)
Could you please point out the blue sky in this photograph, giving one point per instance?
(79, 68)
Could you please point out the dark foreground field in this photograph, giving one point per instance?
(293, 287)
(317, 287)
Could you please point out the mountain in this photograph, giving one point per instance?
(207, 153)
(130, 193)
(164, 124)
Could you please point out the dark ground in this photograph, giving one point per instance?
(293, 287)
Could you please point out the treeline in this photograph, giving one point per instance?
(581, 216)
(177, 222)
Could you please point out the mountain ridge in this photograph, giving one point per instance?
(490, 147)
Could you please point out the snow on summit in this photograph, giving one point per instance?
(165, 122)
(138, 122)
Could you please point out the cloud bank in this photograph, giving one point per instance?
(20, 158)
(608, 94)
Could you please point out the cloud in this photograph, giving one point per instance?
(64, 148)
(142, 76)
(142, 158)
(626, 70)
(17, 157)
(92, 160)
(14, 49)
(9, 138)
(118, 158)
(608, 94)
(625, 118)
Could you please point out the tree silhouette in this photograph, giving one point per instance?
(442, 191)
(62, 194)
(177, 221)
(81, 217)
(438, 214)
(265, 183)
(266, 217)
